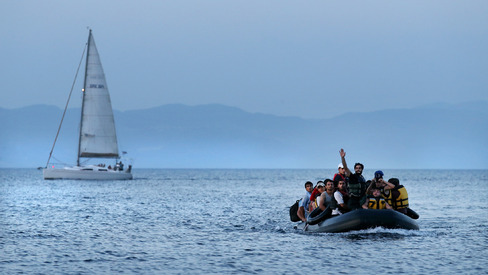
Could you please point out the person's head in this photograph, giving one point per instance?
(395, 181)
(309, 186)
(358, 168)
(341, 185)
(378, 175)
(320, 186)
(341, 169)
(329, 185)
(376, 192)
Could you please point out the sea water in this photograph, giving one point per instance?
(231, 222)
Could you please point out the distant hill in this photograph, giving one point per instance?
(217, 136)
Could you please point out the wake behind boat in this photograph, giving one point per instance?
(97, 138)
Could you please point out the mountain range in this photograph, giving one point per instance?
(439, 136)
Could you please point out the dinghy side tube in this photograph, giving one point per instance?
(363, 219)
(317, 215)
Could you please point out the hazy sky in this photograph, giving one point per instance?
(312, 59)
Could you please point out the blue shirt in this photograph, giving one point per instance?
(305, 201)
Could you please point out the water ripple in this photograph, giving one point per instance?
(230, 222)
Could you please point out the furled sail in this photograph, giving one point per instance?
(97, 134)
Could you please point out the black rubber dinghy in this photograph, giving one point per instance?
(363, 219)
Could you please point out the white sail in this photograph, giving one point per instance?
(97, 134)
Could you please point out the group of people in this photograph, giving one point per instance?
(119, 166)
(348, 191)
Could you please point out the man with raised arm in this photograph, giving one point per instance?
(356, 184)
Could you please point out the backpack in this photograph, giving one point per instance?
(293, 212)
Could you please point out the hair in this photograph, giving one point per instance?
(336, 182)
(368, 183)
(395, 181)
(307, 183)
(360, 164)
(329, 180)
(317, 185)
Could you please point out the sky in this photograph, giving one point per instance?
(312, 59)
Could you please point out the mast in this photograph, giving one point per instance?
(83, 98)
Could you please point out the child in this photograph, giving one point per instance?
(376, 201)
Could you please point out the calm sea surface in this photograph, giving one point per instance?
(231, 222)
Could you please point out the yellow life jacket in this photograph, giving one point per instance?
(376, 203)
(402, 200)
(388, 196)
(315, 203)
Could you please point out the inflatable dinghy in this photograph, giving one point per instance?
(358, 220)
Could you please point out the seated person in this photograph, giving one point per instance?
(376, 201)
(380, 183)
(315, 197)
(341, 196)
(304, 202)
(327, 197)
(399, 196)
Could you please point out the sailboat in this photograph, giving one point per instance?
(97, 137)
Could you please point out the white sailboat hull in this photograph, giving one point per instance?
(86, 173)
